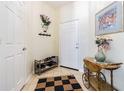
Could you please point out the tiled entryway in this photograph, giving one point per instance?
(58, 71)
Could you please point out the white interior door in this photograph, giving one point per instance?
(2, 29)
(12, 56)
(69, 44)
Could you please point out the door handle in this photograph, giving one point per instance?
(24, 49)
(76, 47)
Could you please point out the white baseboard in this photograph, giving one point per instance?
(29, 77)
(26, 81)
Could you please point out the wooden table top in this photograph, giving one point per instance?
(104, 65)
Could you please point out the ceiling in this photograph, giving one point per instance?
(58, 3)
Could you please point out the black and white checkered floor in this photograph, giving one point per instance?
(59, 83)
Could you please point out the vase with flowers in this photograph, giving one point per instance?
(103, 46)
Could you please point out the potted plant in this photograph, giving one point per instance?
(45, 22)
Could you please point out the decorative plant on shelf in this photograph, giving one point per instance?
(45, 24)
(103, 46)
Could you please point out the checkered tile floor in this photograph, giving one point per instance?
(60, 83)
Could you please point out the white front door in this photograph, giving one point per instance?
(12, 60)
(69, 44)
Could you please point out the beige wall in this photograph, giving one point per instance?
(44, 46)
(41, 46)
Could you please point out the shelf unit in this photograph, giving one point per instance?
(43, 65)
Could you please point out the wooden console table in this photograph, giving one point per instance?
(92, 64)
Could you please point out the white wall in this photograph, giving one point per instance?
(116, 54)
(67, 12)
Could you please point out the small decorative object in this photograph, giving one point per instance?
(45, 24)
(110, 19)
(100, 56)
(103, 46)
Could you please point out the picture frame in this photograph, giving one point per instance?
(110, 19)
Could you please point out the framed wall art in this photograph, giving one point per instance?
(110, 19)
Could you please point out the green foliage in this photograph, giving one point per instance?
(102, 41)
(46, 21)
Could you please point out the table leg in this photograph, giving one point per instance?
(88, 77)
(111, 79)
(99, 84)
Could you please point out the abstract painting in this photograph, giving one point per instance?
(110, 19)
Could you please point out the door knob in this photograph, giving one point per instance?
(24, 49)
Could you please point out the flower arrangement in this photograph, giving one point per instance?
(103, 43)
(103, 46)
